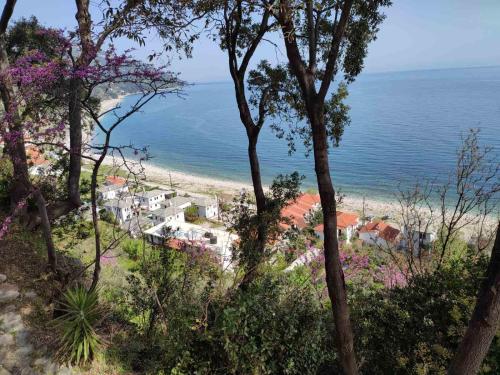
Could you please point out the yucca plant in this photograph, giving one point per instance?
(81, 314)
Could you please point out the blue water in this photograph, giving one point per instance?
(405, 125)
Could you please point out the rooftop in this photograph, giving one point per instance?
(115, 180)
(179, 201)
(152, 193)
(344, 220)
(120, 203)
(203, 201)
(166, 211)
(35, 156)
(384, 230)
(297, 209)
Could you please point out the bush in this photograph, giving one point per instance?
(271, 328)
(132, 248)
(191, 213)
(107, 216)
(81, 314)
(420, 324)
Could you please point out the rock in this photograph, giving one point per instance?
(24, 351)
(65, 371)
(8, 292)
(6, 340)
(30, 294)
(51, 368)
(2, 278)
(28, 371)
(22, 337)
(11, 322)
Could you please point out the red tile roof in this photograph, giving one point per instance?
(384, 230)
(35, 157)
(344, 220)
(299, 208)
(115, 180)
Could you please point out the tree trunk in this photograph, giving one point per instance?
(95, 222)
(75, 140)
(484, 322)
(46, 230)
(260, 200)
(334, 273)
(14, 145)
(75, 109)
(21, 185)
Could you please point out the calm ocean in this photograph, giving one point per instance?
(405, 125)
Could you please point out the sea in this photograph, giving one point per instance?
(405, 127)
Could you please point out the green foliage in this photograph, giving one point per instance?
(165, 301)
(107, 216)
(420, 325)
(6, 172)
(81, 314)
(191, 213)
(243, 219)
(270, 328)
(132, 248)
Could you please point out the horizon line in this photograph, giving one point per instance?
(374, 73)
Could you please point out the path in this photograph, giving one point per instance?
(17, 354)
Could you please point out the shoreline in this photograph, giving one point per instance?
(184, 182)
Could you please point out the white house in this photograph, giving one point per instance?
(186, 236)
(379, 234)
(346, 226)
(167, 216)
(207, 207)
(151, 200)
(111, 191)
(123, 209)
(419, 239)
(179, 202)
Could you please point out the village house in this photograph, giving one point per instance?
(207, 207)
(416, 239)
(182, 236)
(346, 226)
(113, 188)
(167, 215)
(151, 200)
(300, 211)
(379, 234)
(123, 208)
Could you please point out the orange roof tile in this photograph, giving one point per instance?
(115, 180)
(35, 157)
(384, 230)
(297, 209)
(344, 220)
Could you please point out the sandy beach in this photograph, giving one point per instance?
(108, 104)
(167, 178)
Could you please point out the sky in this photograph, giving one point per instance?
(416, 35)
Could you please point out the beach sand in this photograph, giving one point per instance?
(183, 182)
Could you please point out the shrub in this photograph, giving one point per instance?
(81, 314)
(132, 248)
(191, 213)
(107, 216)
